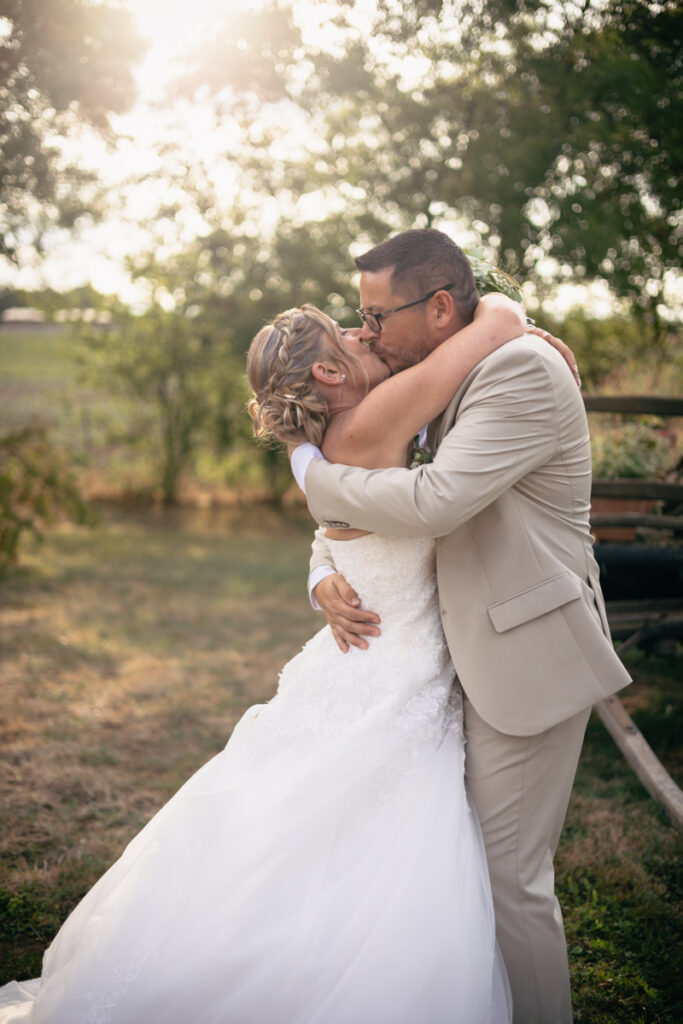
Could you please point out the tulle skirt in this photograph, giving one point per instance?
(331, 881)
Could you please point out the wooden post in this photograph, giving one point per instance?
(641, 758)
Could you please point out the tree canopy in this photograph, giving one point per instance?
(551, 129)
(63, 64)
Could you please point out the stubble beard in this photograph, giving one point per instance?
(409, 355)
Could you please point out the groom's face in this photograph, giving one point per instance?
(405, 336)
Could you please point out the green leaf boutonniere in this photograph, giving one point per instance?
(420, 455)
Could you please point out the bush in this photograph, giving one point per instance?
(36, 487)
(634, 450)
(615, 349)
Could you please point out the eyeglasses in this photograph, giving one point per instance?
(374, 320)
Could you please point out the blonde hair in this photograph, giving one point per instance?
(287, 404)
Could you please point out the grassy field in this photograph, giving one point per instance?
(112, 440)
(130, 650)
(41, 383)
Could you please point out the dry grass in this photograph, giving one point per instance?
(128, 654)
(129, 651)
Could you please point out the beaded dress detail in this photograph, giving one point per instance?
(324, 868)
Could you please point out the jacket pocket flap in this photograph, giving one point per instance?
(538, 600)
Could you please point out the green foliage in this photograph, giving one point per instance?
(550, 129)
(184, 359)
(634, 450)
(36, 487)
(491, 279)
(29, 913)
(605, 346)
(63, 63)
(554, 130)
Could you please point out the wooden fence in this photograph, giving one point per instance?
(649, 619)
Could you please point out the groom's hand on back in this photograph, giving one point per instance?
(350, 623)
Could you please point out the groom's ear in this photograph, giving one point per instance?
(443, 309)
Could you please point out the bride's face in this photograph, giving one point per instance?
(375, 368)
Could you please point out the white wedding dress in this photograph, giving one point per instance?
(324, 868)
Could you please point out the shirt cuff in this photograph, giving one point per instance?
(301, 458)
(318, 574)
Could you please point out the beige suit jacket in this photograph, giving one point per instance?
(508, 499)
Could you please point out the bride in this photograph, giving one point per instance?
(325, 867)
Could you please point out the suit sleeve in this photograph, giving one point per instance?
(507, 426)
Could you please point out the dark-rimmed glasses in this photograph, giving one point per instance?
(374, 320)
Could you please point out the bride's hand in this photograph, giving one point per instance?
(347, 620)
(564, 350)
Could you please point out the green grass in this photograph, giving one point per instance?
(130, 651)
(38, 377)
(104, 434)
(619, 878)
(36, 355)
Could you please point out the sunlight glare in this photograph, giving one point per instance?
(171, 29)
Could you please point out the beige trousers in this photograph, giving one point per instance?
(520, 787)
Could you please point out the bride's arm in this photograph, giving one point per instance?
(413, 397)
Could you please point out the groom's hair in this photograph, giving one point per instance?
(424, 259)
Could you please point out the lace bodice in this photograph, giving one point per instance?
(396, 577)
(402, 685)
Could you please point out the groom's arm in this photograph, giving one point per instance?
(507, 426)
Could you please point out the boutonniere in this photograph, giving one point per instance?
(420, 454)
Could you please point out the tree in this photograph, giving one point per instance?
(183, 360)
(554, 129)
(64, 64)
(167, 362)
(598, 94)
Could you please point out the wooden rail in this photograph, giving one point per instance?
(639, 489)
(638, 405)
(638, 519)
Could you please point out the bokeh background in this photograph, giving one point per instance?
(174, 174)
(172, 178)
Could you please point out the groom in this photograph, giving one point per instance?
(507, 497)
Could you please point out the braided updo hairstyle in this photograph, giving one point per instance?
(287, 404)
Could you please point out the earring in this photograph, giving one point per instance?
(343, 377)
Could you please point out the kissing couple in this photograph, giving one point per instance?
(375, 844)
